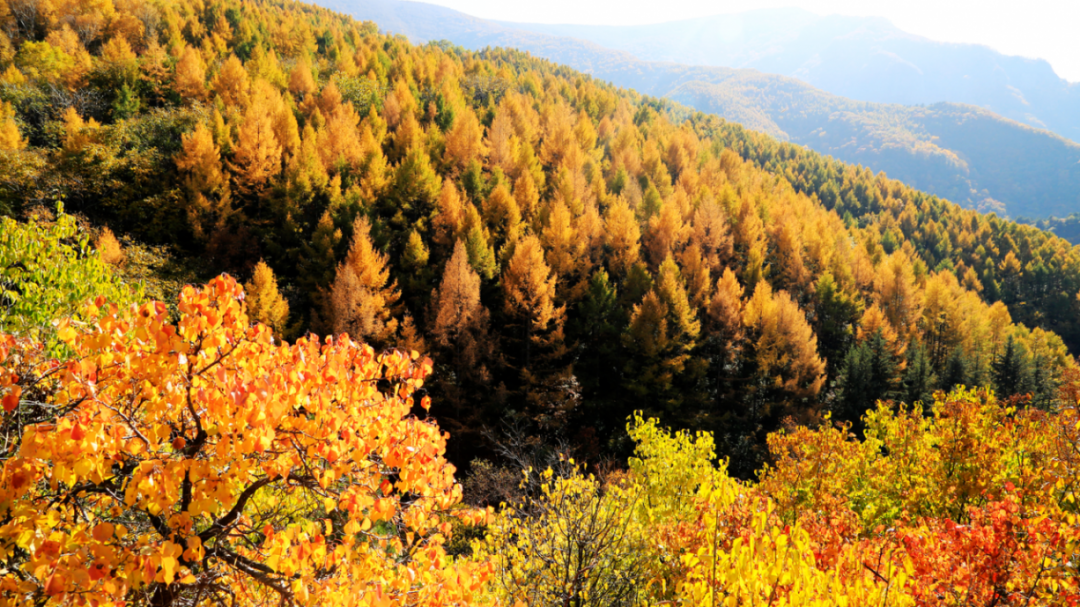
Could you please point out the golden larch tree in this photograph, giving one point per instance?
(724, 317)
(672, 291)
(564, 246)
(189, 79)
(529, 289)
(623, 238)
(710, 231)
(263, 300)
(109, 248)
(258, 152)
(942, 316)
(464, 141)
(78, 133)
(449, 222)
(502, 215)
(363, 299)
(460, 326)
(301, 82)
(874, 320)
(790, 271)
(457, 300)
(10, 137)
(897, 294)
(501, 140)
(784, 344)
(527, 195)
(199, 161)
(751, 243)
(697, 274)
(232, 83)
(647, 334)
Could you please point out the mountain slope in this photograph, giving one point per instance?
(864, 58)
(583, 268)
(959, 152)
(965, 154)
(566, 252)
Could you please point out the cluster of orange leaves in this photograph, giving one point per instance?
(203, 461)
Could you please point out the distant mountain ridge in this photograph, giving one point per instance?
(964, 153)
(863, 58)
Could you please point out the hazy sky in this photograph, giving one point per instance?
(1046, 29)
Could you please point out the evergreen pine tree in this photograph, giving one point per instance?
(870, 373)
(919, 380)
(126, 104)
(836, 315)
(596, 327)
(481, 254)
(1011, 370)
(1044, 388)
(956, 372)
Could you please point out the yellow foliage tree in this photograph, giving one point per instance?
(10, 137)
(189, 79)
(623, 237)
(464, 141)
(78, 133)
(529, 288)
(897, 293)
(109, 248)
(363, 298)
(263, 300)
(232, 83)
(258, 153)
(207, 187)
(785, 347)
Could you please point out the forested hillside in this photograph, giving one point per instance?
(419, 239)
(566, 251)
(966, 154)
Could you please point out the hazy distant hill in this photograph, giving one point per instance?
(864, 58)
(961, 152)
(964, 153)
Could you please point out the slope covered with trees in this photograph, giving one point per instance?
(566, 251)
(581, 264)
(967, 154)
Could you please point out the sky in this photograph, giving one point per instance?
(1043, 29)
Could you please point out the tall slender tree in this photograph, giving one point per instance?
(363, 299)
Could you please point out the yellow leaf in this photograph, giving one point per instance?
(168, 567)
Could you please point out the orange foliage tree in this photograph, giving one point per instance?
(203, 462)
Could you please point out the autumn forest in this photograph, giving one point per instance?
(293, 312)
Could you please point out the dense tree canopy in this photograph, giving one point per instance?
(571, 256)
(621, 252)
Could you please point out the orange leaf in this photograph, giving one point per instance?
(54, 585)
(11, 401)
(103, 532)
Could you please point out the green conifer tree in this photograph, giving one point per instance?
(1011, 371)
(919, 379)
